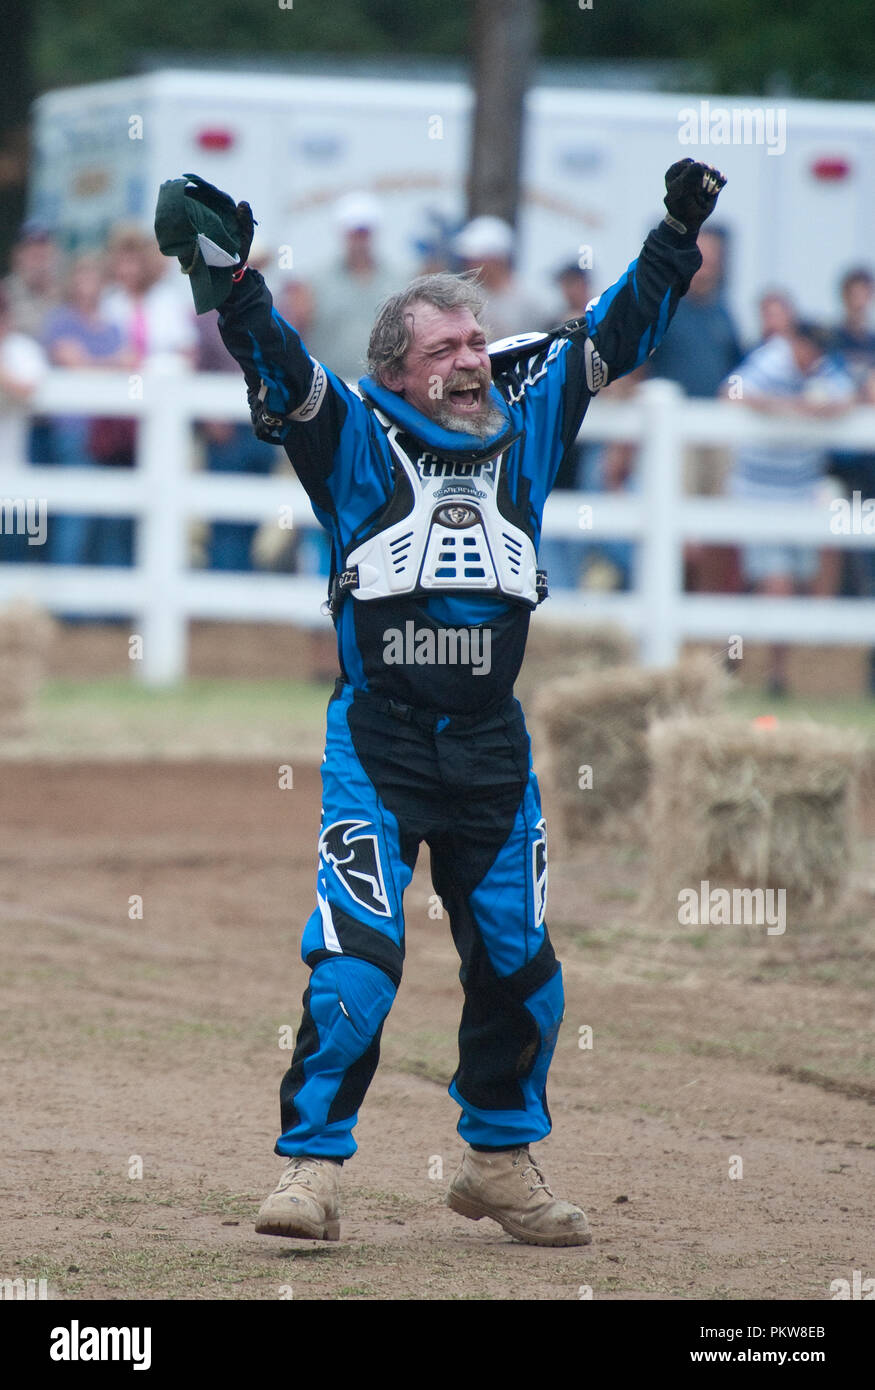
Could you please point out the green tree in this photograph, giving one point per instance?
(803, 46)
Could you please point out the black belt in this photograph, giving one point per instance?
(424, 718)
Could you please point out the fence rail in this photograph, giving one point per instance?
(165, 494)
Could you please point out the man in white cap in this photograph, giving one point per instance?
(486, 245)
(348, 292)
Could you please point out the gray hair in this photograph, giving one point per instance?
(392, 332)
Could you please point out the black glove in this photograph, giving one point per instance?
(211, 197)
(247, 224)
(691, 192)
(271, 429)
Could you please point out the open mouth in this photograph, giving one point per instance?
(466, 398)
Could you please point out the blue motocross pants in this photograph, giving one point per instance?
(393, 777)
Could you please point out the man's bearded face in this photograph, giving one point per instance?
(466, 406)
(446, 373)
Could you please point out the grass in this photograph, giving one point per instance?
(304, 702)
(116, 716)
(161, 1270)
(847, 711)
(299, 700)
(431, 1055)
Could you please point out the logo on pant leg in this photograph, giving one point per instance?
(539, 872)
(356, 861)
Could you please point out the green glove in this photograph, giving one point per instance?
(209, 234)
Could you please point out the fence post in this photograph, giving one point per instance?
(660, 574)
(163, 455)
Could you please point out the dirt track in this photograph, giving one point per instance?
(159, 1038)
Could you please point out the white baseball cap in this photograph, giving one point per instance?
(357, 210)
(483, 238)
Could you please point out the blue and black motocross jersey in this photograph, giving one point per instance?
(337, 440)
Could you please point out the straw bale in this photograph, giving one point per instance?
(748, 806)
(600, 722)
(26, 633)
(554, 650)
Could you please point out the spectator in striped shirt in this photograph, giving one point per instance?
(853, 341)
(788, 376)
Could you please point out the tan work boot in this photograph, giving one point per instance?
(304, 1203)
(511, 1188)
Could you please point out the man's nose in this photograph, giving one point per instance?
(467, 360)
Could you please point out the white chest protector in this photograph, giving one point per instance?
(453, 538)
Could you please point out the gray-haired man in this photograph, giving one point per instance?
(431, 480)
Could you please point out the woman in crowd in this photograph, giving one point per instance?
(77, 335)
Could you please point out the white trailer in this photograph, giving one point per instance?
(798, 210)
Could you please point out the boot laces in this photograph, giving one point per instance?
(295, 1171)
(531, 1167)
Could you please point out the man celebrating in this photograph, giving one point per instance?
(431, 481)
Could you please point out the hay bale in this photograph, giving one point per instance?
(740, 805)
(560, 649)
(26, 633)
(600, 722)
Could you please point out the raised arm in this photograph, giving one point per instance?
(626, 323)
(284, 384)
(555, 377)
(295, 401)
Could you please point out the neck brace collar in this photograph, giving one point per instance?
(468, 448)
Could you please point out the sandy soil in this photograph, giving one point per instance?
(158, 1038)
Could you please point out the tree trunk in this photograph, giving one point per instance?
(16, 94)
(504, 45)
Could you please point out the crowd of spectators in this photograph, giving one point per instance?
(123, 306)
(797, 368)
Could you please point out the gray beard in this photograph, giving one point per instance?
(483, 425)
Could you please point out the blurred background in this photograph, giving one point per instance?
(376, 140)
(700, 681)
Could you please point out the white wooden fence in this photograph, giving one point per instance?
(164, 493)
